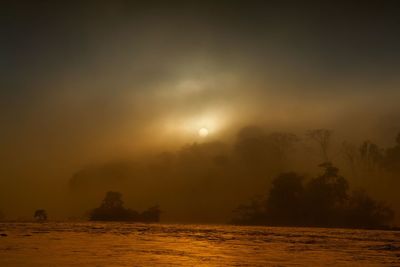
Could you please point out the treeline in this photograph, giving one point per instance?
(371, 158)
(323, 201)
(112, 209)
(203, 182)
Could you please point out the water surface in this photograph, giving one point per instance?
(125, 244)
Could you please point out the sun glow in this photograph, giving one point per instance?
(203, 126)
(203, 132)
(190, 128)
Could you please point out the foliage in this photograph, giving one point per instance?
(323, 201)
(112, 209)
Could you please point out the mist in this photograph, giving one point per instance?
(103, 96)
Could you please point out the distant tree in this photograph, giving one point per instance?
(371, 156)
(351, 155)
(112, 209)
(112, 200)
(323, 139)
(363, 211)
(40, 215)
(330, 185)
(323, 201)
(325, 195)
(285, 200)
(283, 142)
(391, 161)
(152, 214)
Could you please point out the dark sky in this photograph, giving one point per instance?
(336, 39)
(86, 81)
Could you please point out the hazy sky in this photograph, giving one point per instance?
(83, 81)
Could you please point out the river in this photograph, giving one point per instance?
(126, 244)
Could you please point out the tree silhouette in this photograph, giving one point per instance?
(391, 161)
(325, 195)
(112, 200)
(40, 215)
(112, 209)
(323, 139)
(371, 155)
(284, 202)
(351, 155)
(152, 214)
(364, 211)
(323, 201)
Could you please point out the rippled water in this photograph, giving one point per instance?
(124, 244)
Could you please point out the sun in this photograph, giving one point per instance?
(203, 132)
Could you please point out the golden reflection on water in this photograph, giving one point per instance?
(123, 244)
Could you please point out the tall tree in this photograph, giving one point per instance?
(323, 139)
